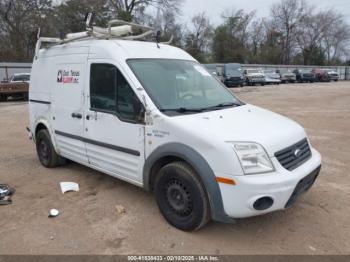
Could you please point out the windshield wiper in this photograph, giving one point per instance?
(222, 105)
(182, 110)
(199, 110)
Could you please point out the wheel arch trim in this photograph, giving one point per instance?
(202, 168)
(46, 123)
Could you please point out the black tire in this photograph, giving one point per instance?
(3, 98)
(262, 84)
(181, 197)
(46, 151)
(25, 96)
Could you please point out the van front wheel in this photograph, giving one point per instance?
(181, 197)
(46, 151)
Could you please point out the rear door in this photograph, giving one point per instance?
(68, 106)
(114, 131)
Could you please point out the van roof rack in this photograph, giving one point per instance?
(117, 29)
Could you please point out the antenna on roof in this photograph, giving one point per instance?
(61, 34)
(158, 35)
(89, 19)
(38, 35)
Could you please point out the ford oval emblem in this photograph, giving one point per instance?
(297, 152)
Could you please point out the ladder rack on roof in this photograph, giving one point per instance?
(117, 29)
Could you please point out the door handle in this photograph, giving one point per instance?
(77, 115)
(91, 117)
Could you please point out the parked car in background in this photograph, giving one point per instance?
(325, 75)
(332, 75)
(254, 76)
(286, 75)
(304, 75)
(17, 87)
(272, 77)
(232, 75)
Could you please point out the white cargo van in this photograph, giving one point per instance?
(151, 115)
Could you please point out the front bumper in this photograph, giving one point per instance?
(257, 80)
(306, 78)
(230, 82)
(288, 78)
(273, 81)
(333, 77)
(281, 186)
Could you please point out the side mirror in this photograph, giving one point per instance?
(139, 111)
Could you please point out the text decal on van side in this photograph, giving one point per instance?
(68, 77)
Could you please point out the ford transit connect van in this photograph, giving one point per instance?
(151, 115)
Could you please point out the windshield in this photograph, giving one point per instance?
(253, 71)
(233, 70)
(305, 71)
(285, 71)
(181, 85)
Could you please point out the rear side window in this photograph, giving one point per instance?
(111, 93)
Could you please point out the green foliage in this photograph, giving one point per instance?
(231, 39)
(124, 15)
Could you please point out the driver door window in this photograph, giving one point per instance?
(111, 93)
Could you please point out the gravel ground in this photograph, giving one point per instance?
(89, 223)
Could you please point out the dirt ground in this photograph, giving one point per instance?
(89, 224)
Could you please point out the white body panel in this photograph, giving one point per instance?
(206, 133)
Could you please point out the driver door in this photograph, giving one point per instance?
(113, 124)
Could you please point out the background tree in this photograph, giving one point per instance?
(69, 15)
(285, 18)
(197, 39)
(125, 9)
(19, 23)
(230, 41)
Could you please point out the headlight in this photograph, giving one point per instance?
(253, 158)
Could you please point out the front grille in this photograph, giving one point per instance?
(303, 186)
(295, 155)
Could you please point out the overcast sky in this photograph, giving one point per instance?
(214, 8)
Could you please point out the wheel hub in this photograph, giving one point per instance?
(178, 198)
(44, 150)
